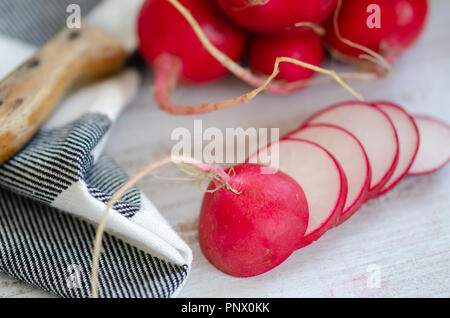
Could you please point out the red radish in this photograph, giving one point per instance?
(305, 46)
(434, 148)
(350, 154)
(408, 137)
(375, 131)
(163, 31)
(321, 178)
(386, 27)
(250, 232)
(200, 46)
(275, 16)
(250, 222)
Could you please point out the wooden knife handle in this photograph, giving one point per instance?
(30, 93)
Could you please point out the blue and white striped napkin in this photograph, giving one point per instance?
(54, 192)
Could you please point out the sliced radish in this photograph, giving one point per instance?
(375, 131)
(321, 178)
(434, 149)
(350, 154)
(408, 137)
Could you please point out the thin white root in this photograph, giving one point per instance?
(244, 74)
(370, 55)
(210, 170)
(317, 69)
(319, 30)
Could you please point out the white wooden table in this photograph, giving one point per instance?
(402, 238)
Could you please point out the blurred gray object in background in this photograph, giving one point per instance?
(35, 21)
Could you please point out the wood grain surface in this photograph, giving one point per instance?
(402, 238)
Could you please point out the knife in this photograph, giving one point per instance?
(72, 58)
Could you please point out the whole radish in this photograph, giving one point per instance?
(252, 218)
(254, 227)
(386, 27)
(165, 34)
(276, 16)
(305, 46)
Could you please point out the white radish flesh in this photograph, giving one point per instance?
(408, 137)
(374, 130)
(320, 177)
(434, 148)
(350, 154)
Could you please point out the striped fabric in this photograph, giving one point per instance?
(57, 158)
(54, 192)
(35, 21)
(104, 179)
(52, 250)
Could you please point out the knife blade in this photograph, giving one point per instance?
(72, 58)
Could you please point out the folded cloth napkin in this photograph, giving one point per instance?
(55, 190)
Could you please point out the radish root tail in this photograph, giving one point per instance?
(252, 3)
(257, 2)
(167, 75)
(319, 30)
(275, 87)
(317, 69)
(212, 171)
(165, 82)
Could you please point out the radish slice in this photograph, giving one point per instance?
(408, 137)
(350, 154)
(321, 178)
(375, 131)
(434, 149)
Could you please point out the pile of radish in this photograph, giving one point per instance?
(341, 157)
(199, 41)
(164, 32)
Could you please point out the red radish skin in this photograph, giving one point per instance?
(252, 232)
(321, 178)
(163, 30)
(306, 47)
(350, 154)
(409, 140)
(434, 148)
(276, 16)
(375, 131)
(401, 23)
